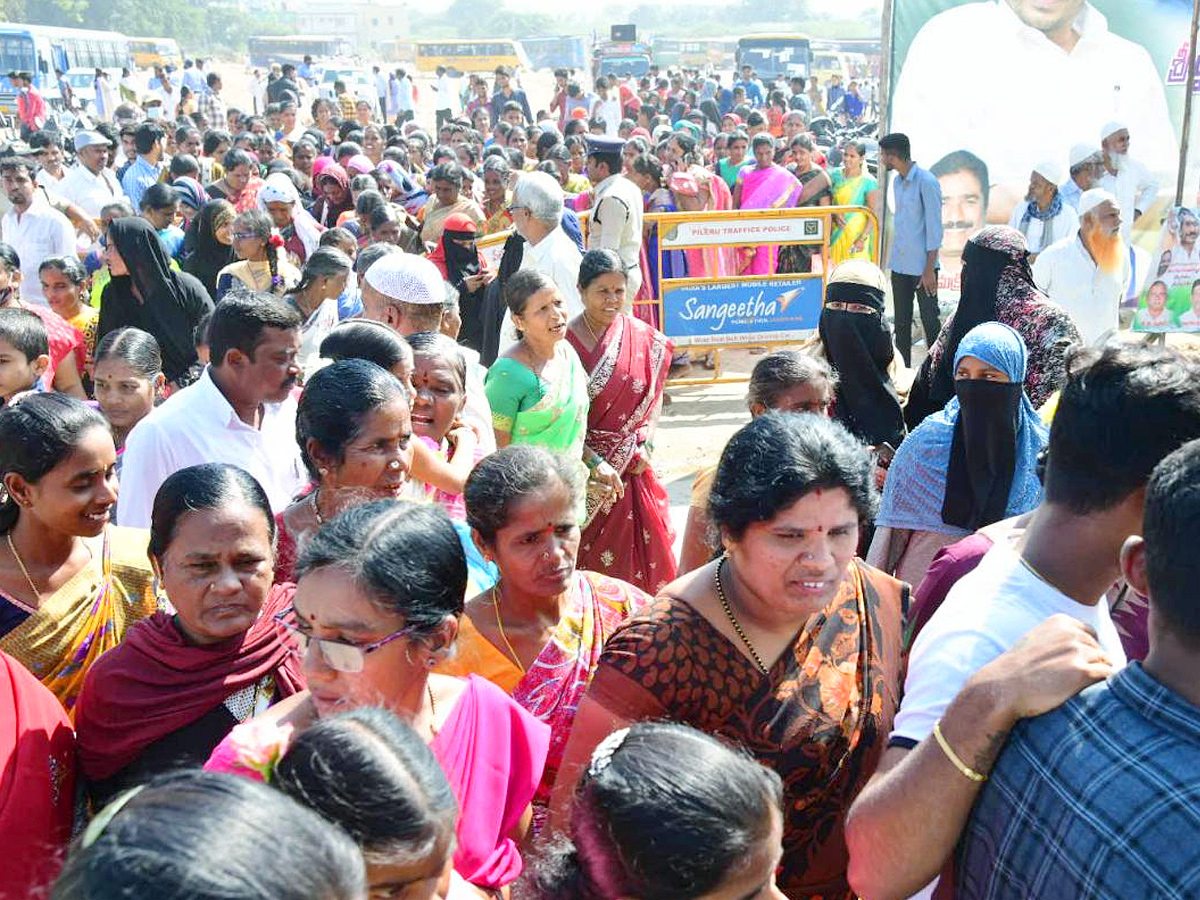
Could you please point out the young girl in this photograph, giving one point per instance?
(65, 285)
(439, 378)
(129, 381)
(261, 265)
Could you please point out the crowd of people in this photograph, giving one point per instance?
(336, 564)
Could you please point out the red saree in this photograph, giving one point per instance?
(630, 538)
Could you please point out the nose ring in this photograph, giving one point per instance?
(394, 464)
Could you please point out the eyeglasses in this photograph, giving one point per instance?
(340, 655)
(243, 235)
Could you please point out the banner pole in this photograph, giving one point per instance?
(1187, 105)
(886, 64)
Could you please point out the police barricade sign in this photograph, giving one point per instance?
(740, 287)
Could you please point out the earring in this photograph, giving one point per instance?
(322, 472)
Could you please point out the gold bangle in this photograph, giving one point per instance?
(953, 757)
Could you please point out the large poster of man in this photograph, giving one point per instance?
(1171, 302)
(1091, 89)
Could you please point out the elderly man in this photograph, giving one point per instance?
(90, 184)
(407, 293)
(1125, 177)
(616, 210)
(537, 206)
(1086, 162)
(1088, 272)
(1042, 216)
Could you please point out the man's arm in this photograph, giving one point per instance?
(931, 212)
(525, 106)
(889, 857)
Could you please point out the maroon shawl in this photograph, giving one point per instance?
(155, 683)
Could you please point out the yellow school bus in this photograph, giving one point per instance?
(480, 55)
(148, 52)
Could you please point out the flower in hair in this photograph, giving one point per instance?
(603, 754)
(275, 240)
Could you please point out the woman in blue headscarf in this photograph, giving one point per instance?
(972, 464)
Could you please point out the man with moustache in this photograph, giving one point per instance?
(963, 177)
(1088, 272)
(1065, 72)
(1086, 165)
(1155, 316)
(240, 411)
(1181, 264)
(1125, 177)
(1043, 217)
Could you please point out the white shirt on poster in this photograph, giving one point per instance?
(198, 425)
(948, 96)
(1066, 273)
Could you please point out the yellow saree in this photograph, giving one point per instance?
(88, 615)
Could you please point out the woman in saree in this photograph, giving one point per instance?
(853, 185)
(376, 609)
(765, 185)
(972, 464)
(789, 646)
(538, 632)
(496, 196)
(170, 693)
(446, 187)
(538, 389)
(71, 584)
(37, 790)
(816, 189)
(627, 536)
(647, 173)
(697, 189)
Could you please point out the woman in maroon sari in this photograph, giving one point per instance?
(627, 537)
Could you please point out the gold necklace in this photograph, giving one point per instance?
(432, 710)
(317, 506)
(37, 596)
(733, 619)
(588, 324)
(500, 625)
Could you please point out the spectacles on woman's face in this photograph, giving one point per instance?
(342, 656)
(244, 235)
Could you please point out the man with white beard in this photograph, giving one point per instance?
(1124, 177)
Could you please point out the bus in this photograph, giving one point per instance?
(397, 51)
(775, 56)
(693, 53)
(621, 57)
(148, 52)
(40, 49)
(481, 55)
(558, 53)
(267, 50)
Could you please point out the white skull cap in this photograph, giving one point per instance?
(407, 278)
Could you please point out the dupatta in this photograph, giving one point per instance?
(156, 683)
(86, 617)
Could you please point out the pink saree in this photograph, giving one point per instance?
(630, 538)
(771, 188)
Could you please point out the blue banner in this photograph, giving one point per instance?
(783, 309)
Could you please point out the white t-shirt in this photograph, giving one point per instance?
(986, 613)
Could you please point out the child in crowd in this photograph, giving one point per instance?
(24, 353)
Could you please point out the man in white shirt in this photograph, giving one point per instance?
(1124, 177)
(32, 228)
(617, 207)
(1088, 272)
(90, 184)
(381, 86)
(1029, 627)
(1042, 216)
(446, 97)
(406, 292)
(405, 98)
(1155, 316)
(1190, 320)
(1065, 73)
(537, 206)
(607, 106)
(241, 411)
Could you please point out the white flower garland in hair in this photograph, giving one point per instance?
(603, 754)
